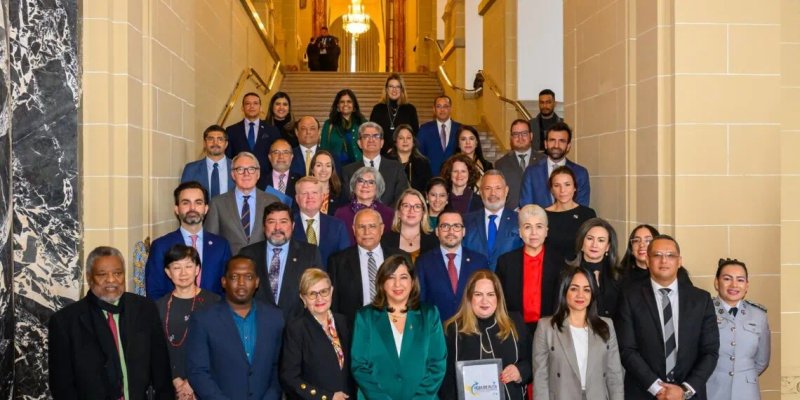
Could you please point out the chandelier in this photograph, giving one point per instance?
(356, 21)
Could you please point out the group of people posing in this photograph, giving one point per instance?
(285, 280)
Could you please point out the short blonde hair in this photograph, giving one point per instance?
(531, 211)
(311, 277)
(425, 226)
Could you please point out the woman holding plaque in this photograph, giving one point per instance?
(483, 329)
(575, 352)
(398, 344)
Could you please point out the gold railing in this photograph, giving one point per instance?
(250, 9)
(252, 74)
(443, 55)
(488, 81)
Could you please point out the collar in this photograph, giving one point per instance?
(210, 163)
(499, 214)
(306, 218)
(363, 251)
(459, 251)
(304, 148)
(240, 195)
(554, 165)
(672, 286)
(247, 122)
(199, 233)
(284, 247)
(377, 159)
(526, 153)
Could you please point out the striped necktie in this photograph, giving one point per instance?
(670, 347)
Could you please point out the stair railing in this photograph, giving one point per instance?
(248, 74)
(443, 56)
(487, 79)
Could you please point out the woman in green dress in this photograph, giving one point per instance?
(340, 131)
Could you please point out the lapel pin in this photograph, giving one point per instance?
(294, 259)
(210, 243)
(467, 259)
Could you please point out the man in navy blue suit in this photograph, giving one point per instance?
(437, 139)
(214, 170)
(314, 226)
(191, 206)
(494, 230)
(443, 272)
(307, 131)
(252, 135)
(535, 188)
(233, 346)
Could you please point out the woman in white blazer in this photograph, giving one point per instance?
(575, 353)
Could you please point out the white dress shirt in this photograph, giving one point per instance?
(363, 259)
(305, 219)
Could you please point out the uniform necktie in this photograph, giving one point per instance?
(492, 236)
(246, 216)
(251, 136)
(214, 181)
(308, 161)
(451, 271)
(443, 137)
(194, 245)
(733, 311)
(311, 235)
(275, 272)
(670, 347)
(282, 183)
(372, 269)
(522, 163)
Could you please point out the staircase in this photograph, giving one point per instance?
(312, 94)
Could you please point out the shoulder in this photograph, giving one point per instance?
(136, 301)
(474, 217)
(234, 126)
(756, 307)
(430, 312)
(576, 168)
(167, 240)
(470, 255)
(512, 255)
(71, 311)
(428, 125)
(197, 164)
(252, 249)
(264, 197)
(221, 199)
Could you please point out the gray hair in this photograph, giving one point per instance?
(369, 124)
(531, 211)
(496, 172)
(102, 251)
(248, 155)
(380, 184)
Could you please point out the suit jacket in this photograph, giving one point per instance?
(392, 173)
(216, 363)
(299, 162)
(507, 234)
(535, 190)
(301, 256)
(344, 269)
(237, 143)
(434, 282)
(431, 145)
(416, 373)
(216, 252)
(332, 235)
(198, 171)
(509, 165)
(555, 364)
(510, 272)
(223, 219)
(641, 339)
(291, 178)
(82, 349)
(538, 136)
(309, 362)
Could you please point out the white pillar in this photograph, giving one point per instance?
(540, 48)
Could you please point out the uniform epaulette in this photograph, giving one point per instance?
(756, 305)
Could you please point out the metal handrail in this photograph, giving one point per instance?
(443, 73)
(252, 74)
(516, 103)
(262, 31)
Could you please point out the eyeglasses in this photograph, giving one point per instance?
(520, 134)
(374, 136)
(322, 293)
(669, 256)
(281, 152)
(408, 207)
(245, 170)
(453, 227)
(365, 182)
(396, 87)
(638, 241)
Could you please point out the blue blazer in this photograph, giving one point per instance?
(431, 145)
(237, 143)
(507, 235)
(332, 238)
(216, 364)
(196, 171)
(434, 283)
(216, 252)
(534, 188)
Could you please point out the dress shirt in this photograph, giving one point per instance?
(457, 260)
(222, 167)
(551, 165)
(276, 179)
(252, 201)
(247, 329)
(673, 301)
(284, 254)
(363, 259)
(487, 213)
(188, 241)
(305, 219)
(377, 160)
(448, 125)
(527, 155)
(256, 123)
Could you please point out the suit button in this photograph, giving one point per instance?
(552, 348)
(733, 343)
(733, 358)
(558, 374)
(730, 373)
(313, 392)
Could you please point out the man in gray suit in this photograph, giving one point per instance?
(513, 163)
(370, 140)
(237, 214)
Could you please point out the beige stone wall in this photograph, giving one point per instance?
(499, 64)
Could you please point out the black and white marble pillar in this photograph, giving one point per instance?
(6, 259)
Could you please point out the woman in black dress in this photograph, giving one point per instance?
(394, 110)
(596, 248)
(404, 150)
(279, 115)
(565, 215)
(462, 177)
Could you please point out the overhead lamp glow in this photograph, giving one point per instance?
(356, 21)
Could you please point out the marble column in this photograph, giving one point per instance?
(44, 101)
(6, 263)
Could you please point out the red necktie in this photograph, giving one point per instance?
(194, 244)
(451, 271)
(112, 325)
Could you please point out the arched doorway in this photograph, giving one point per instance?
(367, 47)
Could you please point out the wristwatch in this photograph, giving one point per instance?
(688, 393)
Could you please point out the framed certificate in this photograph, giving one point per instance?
(480, 380)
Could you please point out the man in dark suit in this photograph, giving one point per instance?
(213, 171)
(438, 138)
(535, 188)
(354, 269)
(312, 226)
(667, 330)
(109, 344)
(493, 230)
(234, 346)
(370, 140)
(236, 215)
(280, 179)
(444, 272)
(514, 163)
(251, 134)
(307, 131)
(281, 261)
(546, 118)
(191, 206)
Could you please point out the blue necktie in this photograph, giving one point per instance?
(215, 180)
(251, 136)
(246, 216)
(492, 232)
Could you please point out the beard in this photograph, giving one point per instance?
(192, 218)
(277, 238)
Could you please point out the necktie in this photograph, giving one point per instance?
(372, 163)
(214, 181)
(522, 163)
(251, 136)
(275, 272)
(443, 137)
(372, 269)
(492, 236)
(451, 271)
(670, 347)
(112, 325)
(194, 245)
(311, 235)
(282, 183)
(733, 311)
(246, 217)
(308, 161)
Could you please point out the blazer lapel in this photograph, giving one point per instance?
(289, 276)
(463, 277)
(652, 307)
(683, 306)
(355, 270)
(228, 330)
(568, 347)
(233, 215)
(409, 354)
(384, 331)
(594, 360)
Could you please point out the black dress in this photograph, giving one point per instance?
(563, 229)
(514, 350)
(417, 169)
(427, 242)
(608, 290)
(390, 116)
(179, 312)
(286, 128)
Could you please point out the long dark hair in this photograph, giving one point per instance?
(336, 117)
(610, 260)
(628, 261)
(276, 97)
(598, 326)
(334, 184)
(389, 266)
(415, 153)
(478, 148)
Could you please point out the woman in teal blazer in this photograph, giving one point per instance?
(398, 345)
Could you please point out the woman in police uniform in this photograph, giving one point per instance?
(744, 336)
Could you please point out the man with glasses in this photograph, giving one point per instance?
(437, 139)
(514, 163)
(237, 214)
(280, 182)
(370, 140)
(667, 330)
(213, 171)
(443, 272)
